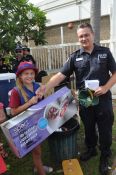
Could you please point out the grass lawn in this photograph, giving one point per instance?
(24, 166)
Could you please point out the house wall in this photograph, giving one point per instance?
(60, 12)
(53, 33)
(63, 11)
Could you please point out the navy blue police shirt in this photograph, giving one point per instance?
(96, 65)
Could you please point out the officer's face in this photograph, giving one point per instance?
(86, 38)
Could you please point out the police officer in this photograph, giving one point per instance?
(26, 50)
(18, 58)
(92, 62)
(27, 56)
(21, 55)
(3, 67)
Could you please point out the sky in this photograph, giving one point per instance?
(35, 1)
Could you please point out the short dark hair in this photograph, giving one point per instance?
(85, 25)
(39, 76)
(26, 49)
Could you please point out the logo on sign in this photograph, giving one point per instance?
(42, 123)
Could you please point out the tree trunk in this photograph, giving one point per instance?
(95, 18)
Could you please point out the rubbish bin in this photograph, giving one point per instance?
(63, 144)
(7, 82)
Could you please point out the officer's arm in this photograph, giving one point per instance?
(111, 81)
(53, 82)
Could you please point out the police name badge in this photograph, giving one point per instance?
(79, 59)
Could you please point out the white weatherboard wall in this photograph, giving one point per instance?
(63, 11)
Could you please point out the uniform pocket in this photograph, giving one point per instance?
(102, 61)
(103, 64)
(80, 64)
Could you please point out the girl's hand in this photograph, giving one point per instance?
(41, 91)
(33, 100)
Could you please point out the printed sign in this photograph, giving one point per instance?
(25, 131)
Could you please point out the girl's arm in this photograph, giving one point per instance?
(15, 103)
(19, 109)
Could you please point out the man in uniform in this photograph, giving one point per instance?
(21, 55)
(27, 56)
(26, 51)
(18, 58)
(91, 62)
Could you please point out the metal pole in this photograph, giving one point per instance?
(62, 35)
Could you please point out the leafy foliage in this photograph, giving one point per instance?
(19, 21)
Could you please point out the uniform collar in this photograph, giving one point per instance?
(83, 51)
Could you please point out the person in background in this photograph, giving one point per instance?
(3, 118)
(91, 62)
(18, 58)
(27, 56)
(39, 76)
(21, 55)
(22, 97)
(26, 51)
(3, 67)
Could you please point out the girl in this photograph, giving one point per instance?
(22, 97)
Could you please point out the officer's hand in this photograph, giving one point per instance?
(41, 91)
(100, 90)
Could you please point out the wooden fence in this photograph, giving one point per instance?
(52, 57)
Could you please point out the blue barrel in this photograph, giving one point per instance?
(7, 82)
(63, 145)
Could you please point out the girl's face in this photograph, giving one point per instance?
(27, 76)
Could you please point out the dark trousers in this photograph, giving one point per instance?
(101, 116)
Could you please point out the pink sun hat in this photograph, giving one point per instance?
(24, 66)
